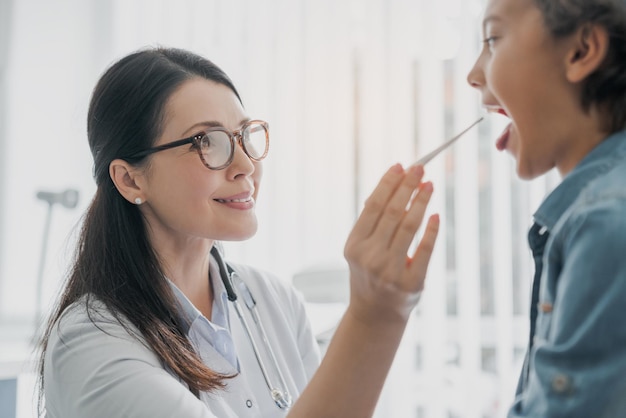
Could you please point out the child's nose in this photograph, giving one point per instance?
(475, 77)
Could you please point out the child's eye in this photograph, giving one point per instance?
(490, 41)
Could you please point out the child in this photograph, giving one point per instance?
(557, 69)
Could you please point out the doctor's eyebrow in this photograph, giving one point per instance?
(210, 124)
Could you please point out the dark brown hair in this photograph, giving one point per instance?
(114, 261)
(606, 87)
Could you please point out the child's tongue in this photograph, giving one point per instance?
(504, 138)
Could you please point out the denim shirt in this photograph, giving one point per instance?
(576, 364)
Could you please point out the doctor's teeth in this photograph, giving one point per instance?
(232, 200)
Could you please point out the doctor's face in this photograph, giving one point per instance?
(183, 198)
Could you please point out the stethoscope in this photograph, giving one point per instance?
(229, 277)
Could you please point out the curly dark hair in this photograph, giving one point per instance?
(606, 87)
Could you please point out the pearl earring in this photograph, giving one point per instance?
(138, 201)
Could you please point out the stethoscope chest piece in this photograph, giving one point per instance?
(282, 398)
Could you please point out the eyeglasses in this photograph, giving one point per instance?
(216, 146)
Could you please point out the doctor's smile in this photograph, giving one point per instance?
(239, 201)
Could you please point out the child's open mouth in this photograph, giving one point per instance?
(504, 136)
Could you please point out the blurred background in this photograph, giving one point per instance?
(349, 87)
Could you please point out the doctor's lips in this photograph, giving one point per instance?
(237, 198)
(426, 158)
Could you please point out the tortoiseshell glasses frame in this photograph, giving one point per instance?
(216, 146)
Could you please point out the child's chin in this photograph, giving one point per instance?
(525, 171)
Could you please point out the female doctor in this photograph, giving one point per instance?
(147, 326)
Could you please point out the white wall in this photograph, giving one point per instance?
(349, 87)
(296, 64)
(49, 76)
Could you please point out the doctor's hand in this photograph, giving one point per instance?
(386, 281)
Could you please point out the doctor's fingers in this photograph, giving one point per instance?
(405, 230)
(386, 205)
(394, 216)
(418, 264)
(392, 262)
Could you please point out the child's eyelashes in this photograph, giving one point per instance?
(490, 41)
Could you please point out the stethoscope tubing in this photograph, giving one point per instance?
(281, 397)
(278, 395)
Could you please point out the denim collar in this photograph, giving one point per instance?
(597, 162)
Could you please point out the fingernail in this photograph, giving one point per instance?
(427, 187)
(416, 170)
(396, 168)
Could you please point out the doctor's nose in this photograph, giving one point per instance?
(241, 164)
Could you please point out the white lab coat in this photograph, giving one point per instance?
(99, 370)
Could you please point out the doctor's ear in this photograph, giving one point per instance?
(589, 48)
(127, 180)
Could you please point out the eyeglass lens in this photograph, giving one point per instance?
(217, 148)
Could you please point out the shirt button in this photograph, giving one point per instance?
(561, 383)
(249, 403)
(545, 307)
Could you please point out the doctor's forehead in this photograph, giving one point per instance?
(200, 101)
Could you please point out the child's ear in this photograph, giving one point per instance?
(588, 50)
